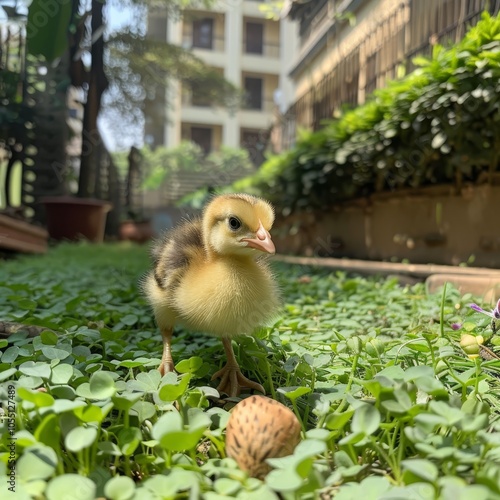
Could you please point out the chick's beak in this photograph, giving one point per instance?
(262, 241)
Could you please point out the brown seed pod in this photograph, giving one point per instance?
(260, 428)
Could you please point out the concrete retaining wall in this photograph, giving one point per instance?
(428, 225)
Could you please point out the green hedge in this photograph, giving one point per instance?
(439, 124)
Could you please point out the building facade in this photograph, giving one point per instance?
(349, 48)
(251, 51)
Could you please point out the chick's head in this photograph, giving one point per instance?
(238, 224)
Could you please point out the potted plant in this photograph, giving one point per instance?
(84, 215)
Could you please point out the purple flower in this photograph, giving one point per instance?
(495, 313)
(456, 326)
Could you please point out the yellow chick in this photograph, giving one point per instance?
(208, 277)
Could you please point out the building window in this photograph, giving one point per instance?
(203, 137)
(253, 90)
(254, 38)
(203, 30)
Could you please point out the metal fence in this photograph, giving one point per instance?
(411, 30)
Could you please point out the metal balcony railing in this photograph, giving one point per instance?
(266, 49)
(266, 105)
(214, 43)
(190, 99)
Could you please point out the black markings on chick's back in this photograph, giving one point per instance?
(158, 280)
(173, 250)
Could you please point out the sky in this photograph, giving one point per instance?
(116, 19)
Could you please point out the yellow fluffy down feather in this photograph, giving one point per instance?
(209, 275)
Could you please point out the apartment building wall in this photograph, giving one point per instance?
(349, 48)
(227, 39)
(309, 70)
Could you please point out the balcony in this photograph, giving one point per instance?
(211, 53)
(212, 44)
(198, 110)
(204, 35)
(263, 59)
(266, 49)
(257, 114)
(265, 105)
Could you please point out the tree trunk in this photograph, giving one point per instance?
(97, 85)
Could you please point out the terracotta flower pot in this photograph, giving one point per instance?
(71, 218)
(137, 231)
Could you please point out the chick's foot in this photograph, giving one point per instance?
(232, 381)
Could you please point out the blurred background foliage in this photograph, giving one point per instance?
(160, 164)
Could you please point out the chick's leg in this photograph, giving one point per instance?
(167, 363)
(232, 380)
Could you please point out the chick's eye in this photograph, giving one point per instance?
(234, 223)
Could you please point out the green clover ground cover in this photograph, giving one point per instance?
(390, 405)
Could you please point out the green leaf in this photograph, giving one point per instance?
(146, 382)
(293, 393)
(47, 28)
(26, 304)
(130, 319)
(170, 421)
(310, 448)
(48, 337)
(169, 430)
(109, 448)
(125, 400)
(415, 372)
(421, 468)
(120, 488)
(172, 392)
(10, 354)
(4, 375)
(38, 398)
(37, 369)
(366, 420)
(90, 413)
(129, 439)
(335, 421)
(81, 488)
(227, 487)
(283, 480)
(53, 353)
(102, 385)
(80, 438)
(63, 405)
(144, 410)
(342, 459)
(38, 462)
(48, 431)
(61, 374)
(190, 365)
